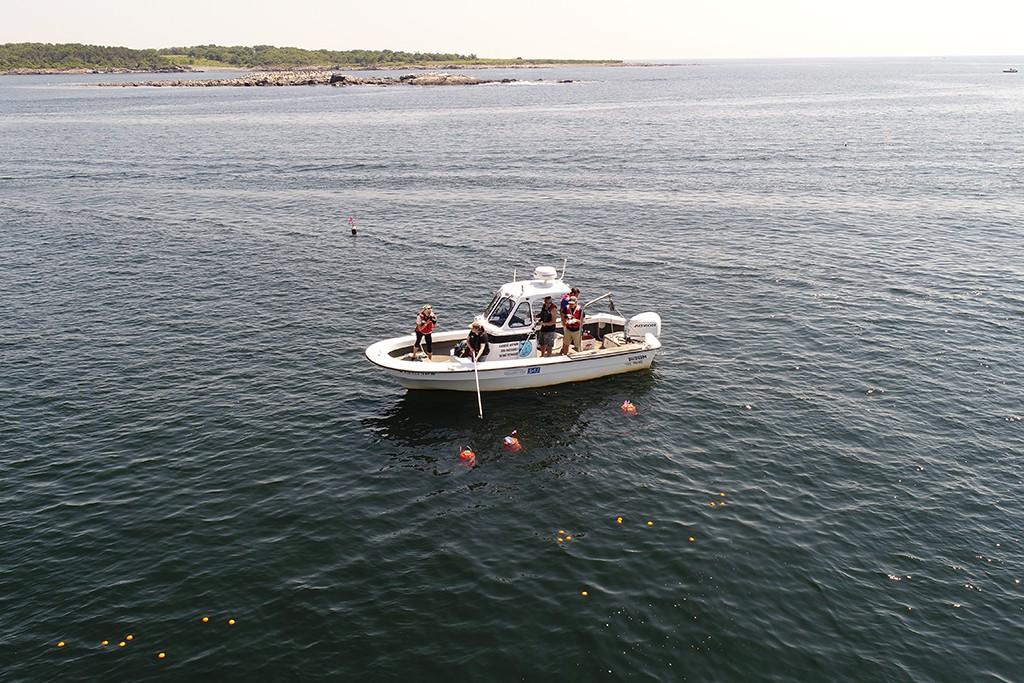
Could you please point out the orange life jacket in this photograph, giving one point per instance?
(575, 318)
(424, 326)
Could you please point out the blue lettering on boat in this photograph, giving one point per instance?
(533, 371)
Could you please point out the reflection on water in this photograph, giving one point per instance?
(560, 413)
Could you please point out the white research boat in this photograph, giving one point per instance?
(611, 345)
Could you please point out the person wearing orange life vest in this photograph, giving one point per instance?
(572, 326)
(425, 322)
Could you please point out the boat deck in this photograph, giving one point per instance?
(613, 342)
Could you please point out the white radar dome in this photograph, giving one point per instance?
(544, 273)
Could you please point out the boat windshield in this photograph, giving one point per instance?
(499, 311)
(489, 307)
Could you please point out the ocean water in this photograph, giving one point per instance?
(824, 480)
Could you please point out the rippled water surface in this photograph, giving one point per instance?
(824, 481)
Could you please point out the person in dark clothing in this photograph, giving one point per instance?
(477, 344)
(548, 319)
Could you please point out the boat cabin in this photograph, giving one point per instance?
(509, 318)
(517, 304)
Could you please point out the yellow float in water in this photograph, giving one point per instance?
(231, 622)
(161, 655)
(206, 619)
(60, 644)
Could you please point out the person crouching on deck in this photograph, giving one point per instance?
(477, 345)
(425, 322)
(572, 327)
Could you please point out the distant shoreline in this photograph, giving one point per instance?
(346, 67)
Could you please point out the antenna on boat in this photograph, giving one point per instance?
(562, 276)
(513, 275)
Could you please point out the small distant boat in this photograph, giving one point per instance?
(1009, 70)
(611, 343)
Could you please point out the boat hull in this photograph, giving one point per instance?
(456, 374)
(527, 377)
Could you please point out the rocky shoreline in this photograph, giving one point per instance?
(318, 77)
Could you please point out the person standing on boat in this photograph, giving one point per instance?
(573, 293)
(547, 319)
(425, 322)
(476, 342)
(572, 327)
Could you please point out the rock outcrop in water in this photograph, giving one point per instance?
(282, 78)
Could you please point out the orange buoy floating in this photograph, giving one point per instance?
(628, 408)
(60, 644)
(161, 655)
(511, 443)
(104, 643)
(206, 620)
(467, 456)
(231, 622)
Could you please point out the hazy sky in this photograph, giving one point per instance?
(625, 29)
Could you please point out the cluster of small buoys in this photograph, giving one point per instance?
(628, 408)
(130, 637)
(511, 443)
(717, 503)
(564, 536)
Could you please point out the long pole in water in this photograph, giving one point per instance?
(476, 376)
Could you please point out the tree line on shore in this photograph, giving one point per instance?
(67, 56)
(270, 56)
(78, 56)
